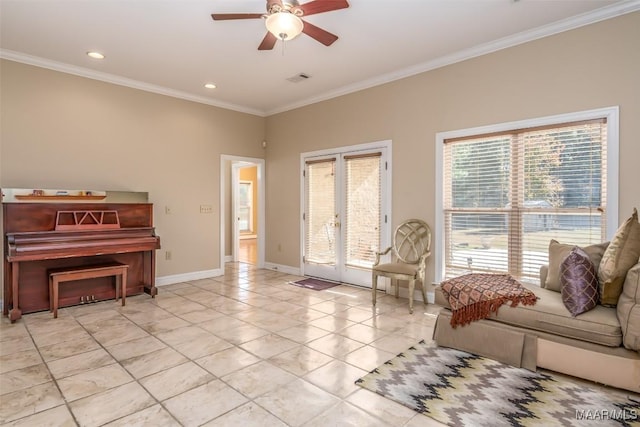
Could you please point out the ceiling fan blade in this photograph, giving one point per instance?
(320, 6)
(228, 16)
(323, 36)
(268, 42)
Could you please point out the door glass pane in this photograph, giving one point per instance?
(362, 210)
(244, 214)
(320, 233)
(244, 207)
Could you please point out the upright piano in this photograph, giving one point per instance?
(39, 238)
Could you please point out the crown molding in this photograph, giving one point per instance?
(557, 27)
(121, 81)
(598, 15)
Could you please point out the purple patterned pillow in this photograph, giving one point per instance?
(579, 282)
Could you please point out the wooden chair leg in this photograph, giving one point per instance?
(55, 287)
(50, 294)
(374, 287)
(117, 279)
(397, 282)
(424, 295)
(123, 282)
(412, 287)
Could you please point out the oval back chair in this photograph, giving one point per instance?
(411, 248)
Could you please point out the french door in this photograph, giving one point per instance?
(345, 213)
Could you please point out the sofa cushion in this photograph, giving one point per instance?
(621, 254)
(558, 252)
(599, 326)
(629, 309)
(579, 282)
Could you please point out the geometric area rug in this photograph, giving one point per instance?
(462, 389)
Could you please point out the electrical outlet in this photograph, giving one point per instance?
(167, 255)
(206, 209)
(167, 210)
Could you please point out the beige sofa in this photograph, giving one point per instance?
(593, 345)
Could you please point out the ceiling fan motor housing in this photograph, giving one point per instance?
(291, 6)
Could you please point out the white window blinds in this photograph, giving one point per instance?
(362, 209)
(507, 194)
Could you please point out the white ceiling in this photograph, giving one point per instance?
(174, 47)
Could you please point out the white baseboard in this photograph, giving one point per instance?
(282, 268)
(185, 277)
(228, 258)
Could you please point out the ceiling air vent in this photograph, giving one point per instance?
(299, 78)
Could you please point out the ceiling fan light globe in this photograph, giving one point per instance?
(284, 25)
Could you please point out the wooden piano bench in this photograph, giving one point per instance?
(60, 275)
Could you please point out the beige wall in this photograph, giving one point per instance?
(590, 67)
(64, 131)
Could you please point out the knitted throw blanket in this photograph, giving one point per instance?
(476, 296)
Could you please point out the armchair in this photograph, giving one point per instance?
(411, 248)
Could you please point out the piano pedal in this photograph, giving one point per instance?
(81, 300)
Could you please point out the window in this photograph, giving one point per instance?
(245, 207)
(508, 190)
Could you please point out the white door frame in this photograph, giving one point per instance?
(236, 163)
(385, 233)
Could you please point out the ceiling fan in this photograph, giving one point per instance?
(284, 20)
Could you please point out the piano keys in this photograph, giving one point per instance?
(33, 246)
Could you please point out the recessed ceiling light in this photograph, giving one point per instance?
(210, 86)
(95, 55)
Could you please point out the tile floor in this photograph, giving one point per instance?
(244, 349)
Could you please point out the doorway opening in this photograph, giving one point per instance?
(247, 204)
(242, 207)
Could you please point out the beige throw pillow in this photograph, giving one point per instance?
(629, 309)
(558, 252)
(620, 256)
